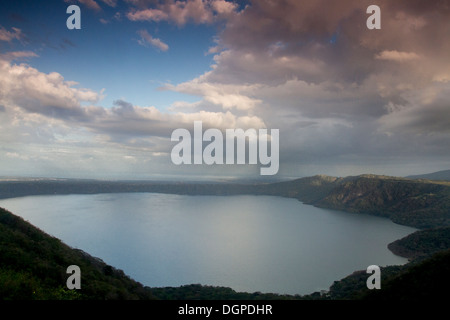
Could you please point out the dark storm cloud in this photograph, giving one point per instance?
(362, 91)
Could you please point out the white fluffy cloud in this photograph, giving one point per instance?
(45, 125)
(226, 96)
(36, 97)
(36, 92)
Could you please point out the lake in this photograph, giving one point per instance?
(248, 243)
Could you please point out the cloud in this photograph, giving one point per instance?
(15, 55)
(125, 121)
(250, 66)
(424, 112)
(47, 94)
(397, 56)
(331, 37)
(8, 36)
(223, 7)
(315, 71)
(15, 155)
(111, 3)
(147, 39)
(181, 12)
(227, 96)
(148, 15)
(305, 49)
(41, 108)
(91, 4)
(338, 92)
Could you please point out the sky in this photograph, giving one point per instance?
(102, 101)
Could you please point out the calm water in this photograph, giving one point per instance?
(248, 243)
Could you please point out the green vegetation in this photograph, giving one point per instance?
(420, 204)
(425, 277)
(201, 292)
(425, 280)
(422, 244)
(33, 267)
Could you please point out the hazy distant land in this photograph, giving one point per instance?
(439, 175)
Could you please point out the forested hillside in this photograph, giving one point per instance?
(33, 266)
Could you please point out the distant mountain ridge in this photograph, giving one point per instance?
(417, 203)
(408, 202)
(439, 175)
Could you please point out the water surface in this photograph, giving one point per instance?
(248, 243)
